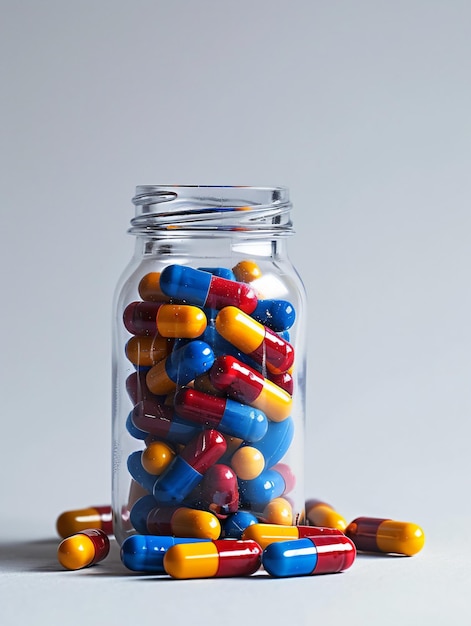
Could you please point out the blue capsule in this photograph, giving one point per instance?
(235, 524)
(139, 474)
(133, 430)
(279, 315)
(275, 443)
(186, 283)
(145, 553)
(257, 493)
(222, 272)
(139, 512)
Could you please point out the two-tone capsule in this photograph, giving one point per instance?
(72, 522)
(167, 320)
(145, 553)
(374, 534)
(83, 549)
(265, 534)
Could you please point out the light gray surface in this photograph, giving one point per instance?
(362, 109)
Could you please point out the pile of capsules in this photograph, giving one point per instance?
(329, 546)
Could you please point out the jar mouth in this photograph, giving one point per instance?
(201, 208)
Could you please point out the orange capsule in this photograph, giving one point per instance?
(322, 514)
(83, 549)
(72, 522)
(247, 462)
(157, 457)
(149, 288)
(147, 351)
(246, 271)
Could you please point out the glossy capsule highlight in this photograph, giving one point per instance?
(373, 534)
(205, 289)
(265, 534)
(228, 416)
(324, 554)
(72, 522)
(257, 341)
(186, 470)
(167, 320)
(183, 522)
(279, 315)
(83, 549)
(145, 553)
(159, 420)
(320, 513)
(216, 559)
(146, 351)
(245, 384)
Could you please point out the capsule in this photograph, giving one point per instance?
(216, 559)
(322, 514)
(279, 315)
(259, 342)
(247, 462)
(157, 457)
(206, 290)
(246, 385)
(246, 271)
(278, 511)
(372, 534)
(73, 522)
(276, 442)
(219, 491)
(187, 469)
(183, 522)
(234, 525)
(145, 553)
(137, 389)
(149, 288)
(141, 476)
(266, 533)
(284, 380)
(83, 549)
(222, 272)
(182, 366)
(324, 554)
(228, 416)
(256, 494)
(159, 420)
(168, 320)
(147, 351)
(139, 512)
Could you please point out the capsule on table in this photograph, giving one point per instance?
(206, 290)
(167, 320)
(323, 554)
(159, 420)
(266, 533)
(72, 522)
(373, 534)
(322, 514)
(186, 470)
(228, 416)
(247, 462)
(259, 342)
(246, 271)
(215, 559)
(145, 553)
(147, 351)
(83, 549)
(181, 367)
(234, 525)
(183, 522)
(149, 288)
(279, 315)
(245, 384)
(219, 490)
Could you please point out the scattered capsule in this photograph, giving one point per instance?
(219, 490)
(83, 549)
(73, 522)
(266, 533)
(228, 416)
(372, 534)
(322, 514)
(146, 350)
(246, 271)
(187, 469)
(259, 342)
(246, 385)
(324, 554)
(206, 290)
(149, 288)
(247, 462)
(216, 559)
(179, 368)
(183, 522)
(145, 553)
(157, 457)
(235, 524)
(278, 315)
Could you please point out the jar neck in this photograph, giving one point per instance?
(176, 213)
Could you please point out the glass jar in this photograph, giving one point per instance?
(208, 365)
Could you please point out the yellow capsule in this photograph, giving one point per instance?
(278, 511)
(158, 381)
(147, 351)
(157, 457)
(180, 320)
(240, 329)
(149, 288)
(83, 549)
(371, 534)
(72, 522)
(247, 462)
(188, 522)
(246, 271)
(196, 560)
(265, 533)
(322, 514)
(275, 402)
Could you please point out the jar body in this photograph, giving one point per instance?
(209, 366)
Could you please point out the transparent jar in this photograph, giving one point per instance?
(208, 365)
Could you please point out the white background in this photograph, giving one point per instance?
(362, 108)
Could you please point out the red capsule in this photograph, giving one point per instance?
(219, 490)
(137, 388)
(139, 318)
